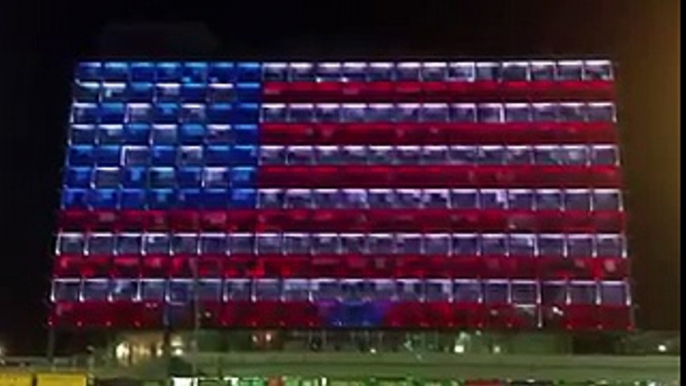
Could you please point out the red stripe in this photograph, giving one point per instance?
(437, 91)
(437, 133)
(442, 176)
(340, 220)
(344, 266)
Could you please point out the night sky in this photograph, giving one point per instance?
(41, 42)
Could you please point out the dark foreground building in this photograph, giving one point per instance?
(453, 195)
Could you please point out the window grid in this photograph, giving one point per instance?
(294, 243)
(616, 293)
(437, 112)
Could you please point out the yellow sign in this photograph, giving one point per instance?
(13, 379)
(48, 379)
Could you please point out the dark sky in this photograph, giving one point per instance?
(40, 43)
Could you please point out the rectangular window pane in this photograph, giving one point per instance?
(296, 243)
(495, 293)
(408, 243)
(436, 198)
(467, 245)
(180, 291)
(545, 112)
(437, 244)
(409, 198)
(553, 293)
(267, 289)
(66, 290)
(598, 70)
(242, 243)
(408, 155)
(213, 244)
(493, 244)
(464, 199)
(298, 198)
(524, 293)
(325, 289)
(491, 155)
(123, 290)
(325, 243)
(96, 290)
(296, 290)
(185, 244)
(578, 200)
(600, 112)
(269, 243)
(461, 72)
(409, 290)
(463, 113)
(522, 245)
(464, 155)
(152, 290)
(352, 290)
(300, 155)
(129, 244)
(209, 290)
(610, 246)
(488, 71)
(605, 155)
(489, 113)
(606, 200)
(549, 200)
(156, 243)
(70, 244)
(235, 290)
(542, 71)
(613, 294)
(517, 112)
(551, 245)
(435, 113)
(100, 244)
(437, 290)
(493, 199)
(353, 244)
(381, 244)
(466, 292)
(569, 70)
(520, 199)
(381, 198)
(580, 246)
(582, 293)
(270, 198)
(515, 71)
(383, 289)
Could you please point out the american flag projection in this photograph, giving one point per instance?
(342, 195)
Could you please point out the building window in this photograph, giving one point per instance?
(614, 294)
(70, 244)
(553, 293)
(583, 293)
(237, 290)
(66, 290)
(267, 289)
(467, 291)
(96, 290)
(100, 244)
(156, 244)
(129, 244)
(495, 292)
(124, 290)
(152, 290)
